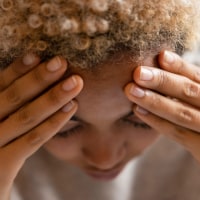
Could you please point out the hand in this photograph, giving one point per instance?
(29, 113)
(168, 99)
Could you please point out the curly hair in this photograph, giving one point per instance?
(86, 32)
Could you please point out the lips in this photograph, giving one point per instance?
(106, 175)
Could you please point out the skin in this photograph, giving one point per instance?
(179, 117)
(107, 136)
(25, 130)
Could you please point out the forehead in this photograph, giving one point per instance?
(116, 70)
(103, 88)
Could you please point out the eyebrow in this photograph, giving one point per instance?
(75, 118)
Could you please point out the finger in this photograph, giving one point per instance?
(37, 111)
(29, 143)
(169, 109)
(18, 68)
(188, 138)
(168, 84)
(175, 64)
(30, 85)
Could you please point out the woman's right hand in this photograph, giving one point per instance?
(29, 113)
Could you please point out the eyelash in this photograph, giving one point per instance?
(76, 129)
(137, 124)
(70, 132)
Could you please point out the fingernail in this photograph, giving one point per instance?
(68, 107)
(137, 92)
(141, 110)
(29, 59)
(146, 74)
(168, 57)
(69, 84)
(54, 64)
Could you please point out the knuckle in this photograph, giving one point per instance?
(162, 79)
(54, 123)
(54, 97)
(35, 138)
(24, 117)
(190, 89)
(39, 78)
(155, 100)
(196, 74)
(179, 64)
(184, 116)
(12, 95)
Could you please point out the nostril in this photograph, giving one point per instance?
(105, 158)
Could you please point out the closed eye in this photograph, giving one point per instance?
(73, 131)
(71, 128)
(74, 127)
(137, 124)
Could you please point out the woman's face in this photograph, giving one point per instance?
(104, 135)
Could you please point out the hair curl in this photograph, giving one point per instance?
(88, 31)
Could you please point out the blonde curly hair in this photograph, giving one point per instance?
(86, 32)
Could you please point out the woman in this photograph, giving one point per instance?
(114, 115)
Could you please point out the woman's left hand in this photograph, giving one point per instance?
(168, 99)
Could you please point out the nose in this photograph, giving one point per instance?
(105, 154)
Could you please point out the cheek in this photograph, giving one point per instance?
(139, 142)
(69, 149)
(64, 148)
